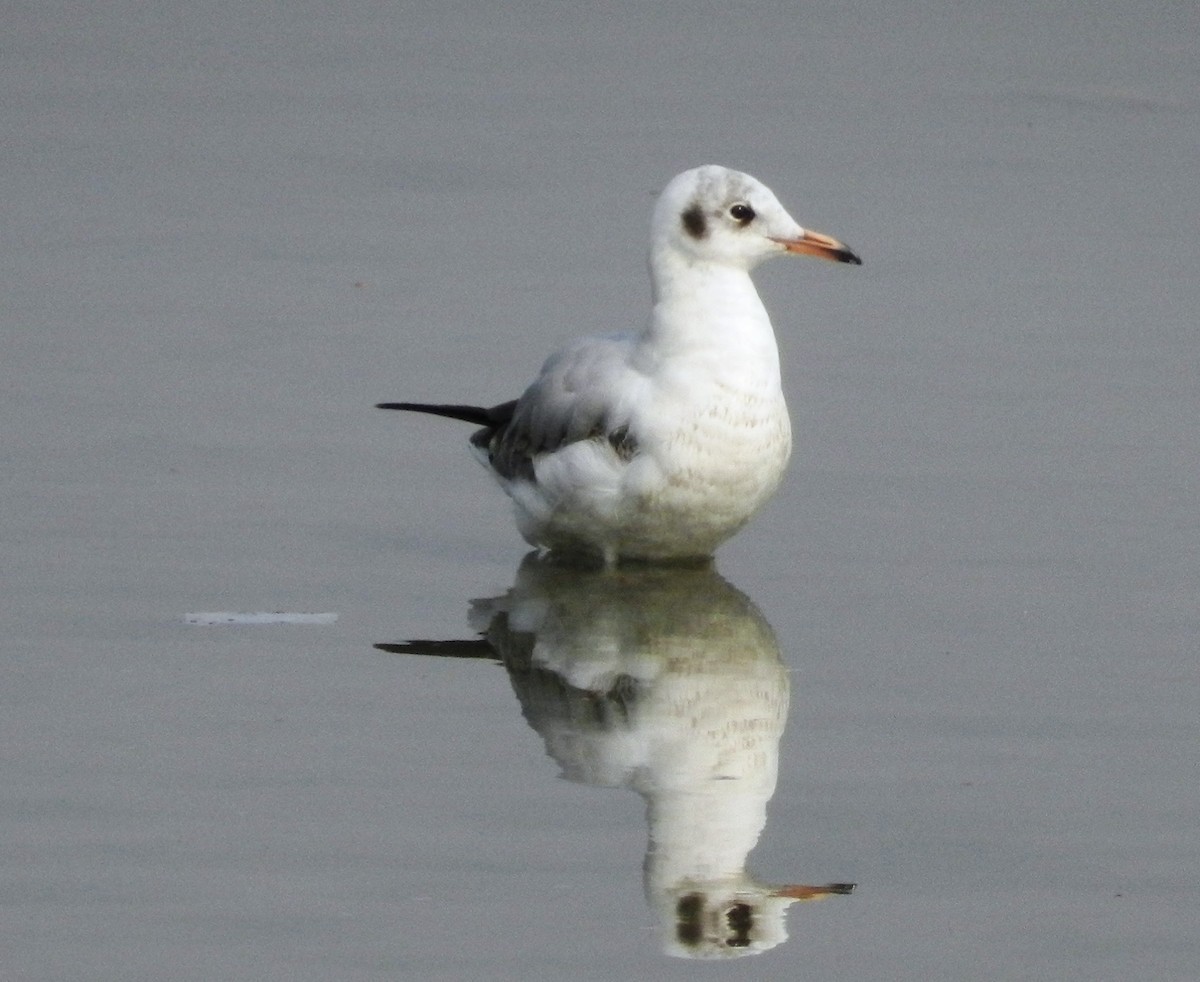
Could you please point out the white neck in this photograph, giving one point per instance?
(705, 836)
(709, 309)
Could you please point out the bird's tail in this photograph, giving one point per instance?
(479, 415)
(474, 648)
(469, 414)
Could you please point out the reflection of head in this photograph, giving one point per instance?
(726, 923)
(669, 682)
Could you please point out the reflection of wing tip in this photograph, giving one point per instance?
(473, 648)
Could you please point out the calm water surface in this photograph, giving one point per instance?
(953, 662)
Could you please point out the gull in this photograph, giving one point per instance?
(668, 682)
(658, 445)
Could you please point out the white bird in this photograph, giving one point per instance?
(668, 682)
(659, 445)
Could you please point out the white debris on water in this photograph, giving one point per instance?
(258, 617)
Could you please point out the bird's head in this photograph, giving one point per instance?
(720, 216)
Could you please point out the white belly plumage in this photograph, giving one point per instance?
(682, 491)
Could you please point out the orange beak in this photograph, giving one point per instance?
(822, 246)
(800, 891)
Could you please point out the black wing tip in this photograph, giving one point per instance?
(472, 648)
(469, 414)
(479, 415)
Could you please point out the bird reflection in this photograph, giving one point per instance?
(669, 682)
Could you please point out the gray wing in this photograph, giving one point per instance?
(582, 393)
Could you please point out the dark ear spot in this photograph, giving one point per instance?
(694, 223)
(689, 928)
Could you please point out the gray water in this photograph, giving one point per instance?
(964, 634)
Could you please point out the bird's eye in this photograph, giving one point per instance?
(743, 214)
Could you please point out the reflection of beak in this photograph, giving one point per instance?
(799, 891)
(812, 243)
